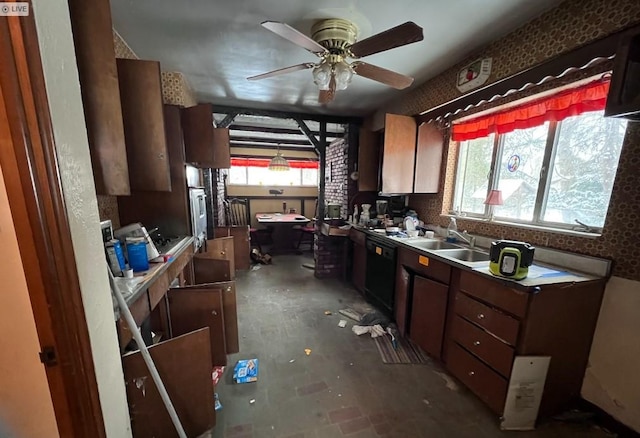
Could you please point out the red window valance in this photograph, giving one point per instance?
(258, 162)
(589, 97)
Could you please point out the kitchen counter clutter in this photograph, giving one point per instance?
(483, 327)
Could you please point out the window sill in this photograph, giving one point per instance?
(527, 226)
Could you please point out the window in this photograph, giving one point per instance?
(255, 172)
(558, 174)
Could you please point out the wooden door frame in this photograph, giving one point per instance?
(30, 168)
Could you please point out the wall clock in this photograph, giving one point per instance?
(474, 75)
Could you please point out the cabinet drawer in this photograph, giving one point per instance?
(488, 348)
(425, 265)
(501, 325)
(479, 378)
(494, 293)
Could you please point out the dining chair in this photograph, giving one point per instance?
(237, 213)
(307, 231)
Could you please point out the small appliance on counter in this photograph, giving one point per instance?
(511, 258)
(333, 211)
(137, 230)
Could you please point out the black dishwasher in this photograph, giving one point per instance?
(381, 273)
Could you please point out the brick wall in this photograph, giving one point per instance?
(337, 175)
(329, 255)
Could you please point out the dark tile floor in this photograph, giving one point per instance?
(342, 388)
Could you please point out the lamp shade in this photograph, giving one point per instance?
(494, 197)
(279, 163)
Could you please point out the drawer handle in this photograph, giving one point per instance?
(222, 253)
(480, 315)
(214, 313)
(472, 373)
(476, 343)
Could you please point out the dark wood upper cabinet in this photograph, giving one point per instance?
(399, 151)
(429, 146)
(96, 60)
(144, 129)
(205, 146)
(624, 93)
(368, 160)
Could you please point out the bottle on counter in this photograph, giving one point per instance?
(355, 213)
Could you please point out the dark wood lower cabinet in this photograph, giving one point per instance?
(429, 310)
(194, 307)
(184, 364)
(358, 273)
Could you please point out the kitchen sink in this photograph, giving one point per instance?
(433, 244)
(465, 255)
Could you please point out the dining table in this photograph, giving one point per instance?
(283, 229)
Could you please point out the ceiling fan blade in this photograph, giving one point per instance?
(401, 35)
(327, 96)
(282, 71)
(388, 77)
(289, 33)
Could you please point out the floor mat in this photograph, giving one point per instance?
(406, 352)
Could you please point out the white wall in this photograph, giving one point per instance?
(26, 409)
(612, 380)
(63, 90)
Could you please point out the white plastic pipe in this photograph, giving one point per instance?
(124, 309)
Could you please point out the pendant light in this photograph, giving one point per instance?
(279, 163)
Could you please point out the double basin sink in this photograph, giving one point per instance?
(450, 250)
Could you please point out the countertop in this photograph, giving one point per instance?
(136, 286)
(539, 273)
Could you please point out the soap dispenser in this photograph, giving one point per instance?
(453, 226)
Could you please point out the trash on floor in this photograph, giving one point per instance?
(292, 361)
(342, 323)
(258, 257)
(245, 371)
(350, 313)
(217, 405)
(375, 330)
(307, 351)
(328, 312)
(217, 374)
(309, 265)
(256, 267)
(252, 401)
(375, 318)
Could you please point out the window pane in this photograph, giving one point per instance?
(519, 171)
(238, 175)
(264, 176)
(474, 164)
(309, 177)
(584, 169)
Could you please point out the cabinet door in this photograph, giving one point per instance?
(205, 146)
(398, 154)
(428, 315)
(221, 248)
(241, 244)
(184, 365)
(221, 149)
(194, 307)
(428, 159)
(368, 161)
(95, 56)
(359, 266)
(401, 299)
(142, 113)
(230, 312)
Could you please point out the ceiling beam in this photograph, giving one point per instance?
(227, 120)
(223, 109)
(301, 141)
(274, 147)
(288, 131)
(312, 138)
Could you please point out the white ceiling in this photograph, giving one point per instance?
(217, 44)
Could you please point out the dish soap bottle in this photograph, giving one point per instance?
(453, 226)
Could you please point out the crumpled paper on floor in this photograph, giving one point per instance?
(375, 330)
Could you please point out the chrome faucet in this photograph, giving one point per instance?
(464, 236)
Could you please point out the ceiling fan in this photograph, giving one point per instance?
(333, 41)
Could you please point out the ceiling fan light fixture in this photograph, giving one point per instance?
(343, 74)
(279, 163)
(322, 75)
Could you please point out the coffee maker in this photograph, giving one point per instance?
(381, 211)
